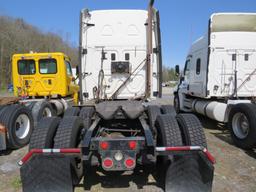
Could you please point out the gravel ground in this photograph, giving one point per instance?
(235, 170)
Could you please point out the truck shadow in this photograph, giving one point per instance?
(135, 180)
(220, 130)
(6, 152)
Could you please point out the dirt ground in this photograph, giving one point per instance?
(235, 170)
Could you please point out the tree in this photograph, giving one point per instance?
(16, 36)
(169, 74)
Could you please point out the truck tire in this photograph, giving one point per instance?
(43, 134)
(168, 109)
(42, 109)
(2, 107)
(19, 123)
(68, 136)
(168, 134)
(184, 175)
(86, 114)
(72, 111)
(242, 125)
(153, 112)
(176, 103)
(30, 105)
(192, 130)
(168, 131)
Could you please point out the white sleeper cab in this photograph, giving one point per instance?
(219, 77)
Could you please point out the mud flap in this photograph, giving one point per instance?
(189, 173)
(47, 173)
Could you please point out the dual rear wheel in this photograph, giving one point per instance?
(53, 132)
(182, 173)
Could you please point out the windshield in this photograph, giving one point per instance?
(233, 22)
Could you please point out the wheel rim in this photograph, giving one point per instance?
(47, 112)
(22, 126)
(240, 125)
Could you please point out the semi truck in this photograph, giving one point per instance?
(43, 86)
(116, 127)
(218, 80)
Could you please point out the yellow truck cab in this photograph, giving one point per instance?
(43, 74)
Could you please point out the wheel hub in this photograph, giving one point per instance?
(240, 125)
(22, 126)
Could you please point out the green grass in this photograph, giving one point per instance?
(16, 183)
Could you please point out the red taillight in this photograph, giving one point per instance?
(104, 145)
(129, 163)
(107, 163)
(132, 145)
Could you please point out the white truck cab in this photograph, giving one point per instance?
(220, 74)
(114, 63)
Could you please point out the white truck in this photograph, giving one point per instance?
(218, 80)
(114, 58)
(116, 127)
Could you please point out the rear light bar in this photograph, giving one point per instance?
(78, 151)
(189, 148)
(41, 151)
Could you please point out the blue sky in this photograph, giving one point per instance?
(182, 21)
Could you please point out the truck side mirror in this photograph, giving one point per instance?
(77, 70)
(177, 70)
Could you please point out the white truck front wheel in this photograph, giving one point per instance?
(242, 125)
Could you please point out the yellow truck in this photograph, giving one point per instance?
(43, 75)
(44, 83)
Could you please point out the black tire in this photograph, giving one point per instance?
(176, 103)
(68, 136)
(42, 136)
(42, 109)
(2, 107)
(72, 111)
(19, 123)
(168, 109)
(86, 114)
(184, 175)
(168, 131)
(30, 105)
(247, 139)
(168, 134)
(192, 130)
(153, 112)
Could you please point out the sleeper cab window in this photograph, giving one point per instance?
(48, 66)
(246, 57)
(127, 56)
(26, 67)
(198, 66)
(113, 56)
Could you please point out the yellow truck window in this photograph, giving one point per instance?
(26, 67)
(69, 69)
(47, 66)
